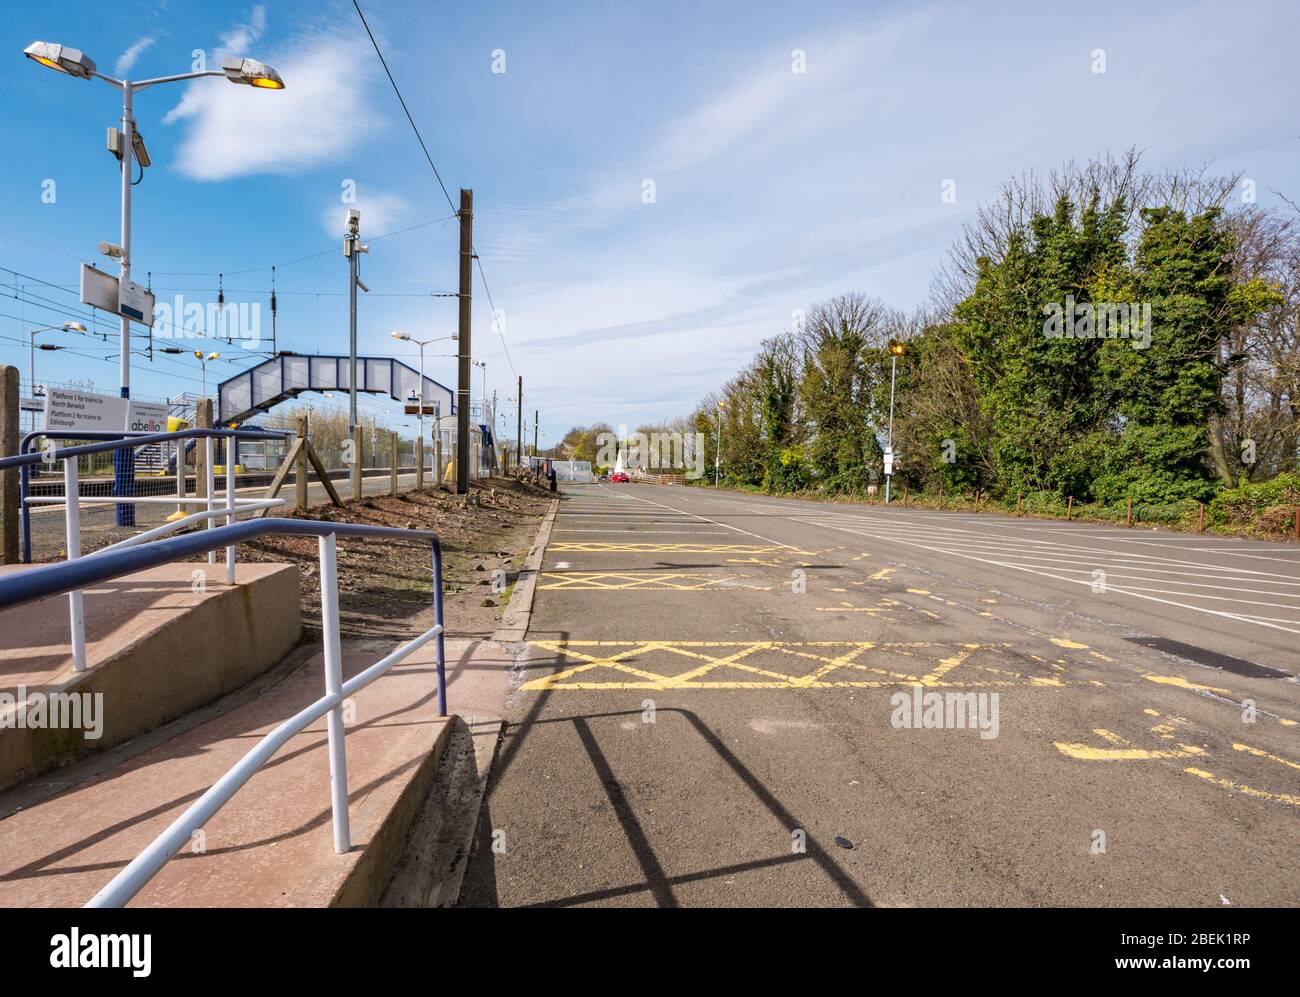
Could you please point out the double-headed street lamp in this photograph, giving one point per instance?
(73, 62)
(896, 350)
(129, 148)
(204, 359)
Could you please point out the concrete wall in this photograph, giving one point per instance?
(170, 652)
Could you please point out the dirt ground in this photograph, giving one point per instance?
(385, 588)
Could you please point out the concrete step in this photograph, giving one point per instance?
(158, 645)
(272, 843)
(431, 867)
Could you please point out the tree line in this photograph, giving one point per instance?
(1098, 332)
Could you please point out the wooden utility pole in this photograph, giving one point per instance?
(462, 384)
(9, 415)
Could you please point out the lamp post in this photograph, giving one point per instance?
(31, 345)
(204, 359)
(483, 364)
(896, 350)
(421, 343)
(717, 452)
(73, 62)
(352, 250)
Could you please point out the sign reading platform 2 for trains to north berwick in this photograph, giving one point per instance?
(76, 410)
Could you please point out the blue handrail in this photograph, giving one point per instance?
(67, 576)
(113, 440)
(120, 440)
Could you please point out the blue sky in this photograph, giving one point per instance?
(773, 189)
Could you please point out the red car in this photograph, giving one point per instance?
(617, 476)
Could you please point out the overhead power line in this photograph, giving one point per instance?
(437, 176)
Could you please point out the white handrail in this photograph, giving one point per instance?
(72, 523)
(133, 878)
(245, 505)
(234, 506)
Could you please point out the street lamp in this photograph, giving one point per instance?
(896, 350)
(421, 343)
(203, 359)
(74, 62)
(717, 452)
(483, 364)
(31, 345)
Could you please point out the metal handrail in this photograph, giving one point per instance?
(68, 576)
(112, 440)
(72, 500)
(121, 440)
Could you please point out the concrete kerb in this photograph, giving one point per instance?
(518, 613)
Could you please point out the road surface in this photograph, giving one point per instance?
(729, 699)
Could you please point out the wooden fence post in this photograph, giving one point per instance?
(392, 460)
(9, 435)
(300, 472)
(1069, 509)
(202, 420)
(1128, 516)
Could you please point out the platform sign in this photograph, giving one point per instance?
(66, 409)
(101, 290)
(132, 300)
(70, 410)
(147, 417)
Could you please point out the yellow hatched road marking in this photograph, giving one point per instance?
(838, 664)
(612, 581)
(572, 546)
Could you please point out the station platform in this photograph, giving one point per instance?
(159, 643)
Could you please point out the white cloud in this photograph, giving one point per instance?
(237, 40)
(320, 115)
(128, 58)
(381, 213)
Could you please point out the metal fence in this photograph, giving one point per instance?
(155, 479)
